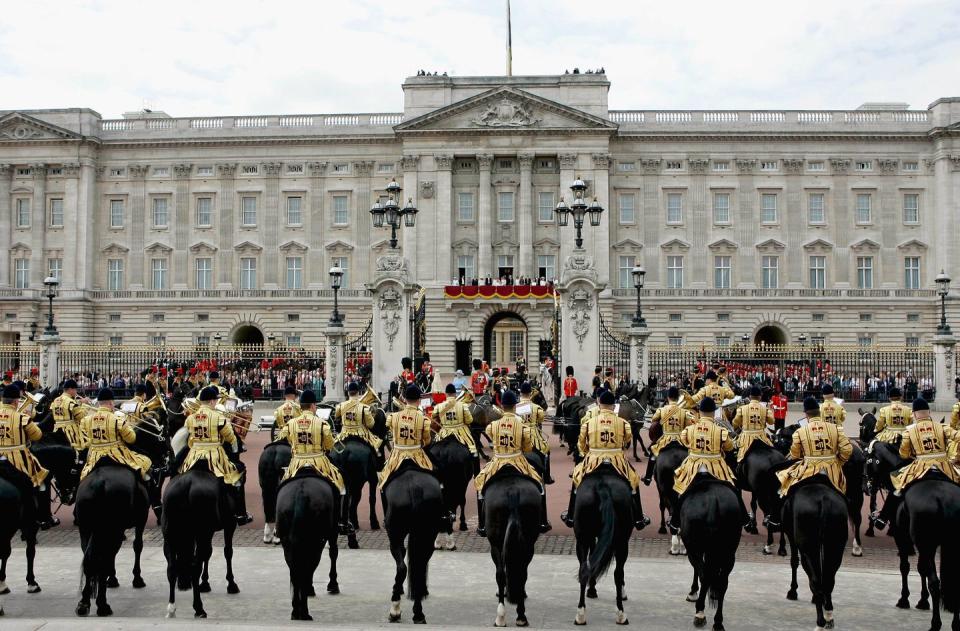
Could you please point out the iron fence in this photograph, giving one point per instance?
(19, 359)
(856, 373)
(358, 355)
(614, 352)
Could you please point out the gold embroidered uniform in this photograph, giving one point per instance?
(16, 431)
(67, 415)
(706, 442)
(892, 420)
(819, 447)
(715, 391)
(285, 412)
(310, 438)
(925, 442)
(673, 419)
(106, 435)
(511, 439)
(751, 421)
(955, 417)
(207, 430)
(455, 419)
(356, 419)
(602, 440)
(534, 420)
(411, 433)
(832, 412)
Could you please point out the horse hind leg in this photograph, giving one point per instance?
(619, 584)
(138, 582)
(333, 587)
(204, 586)
(582, 554)
(398, 551)
(926, 564)
(32, 586)
(501, 574)
(904, 602)
(103, 608)
(232, 587)
(694, 587)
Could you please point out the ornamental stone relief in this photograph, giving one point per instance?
(506, 113)
(581, 307)
(390, 314)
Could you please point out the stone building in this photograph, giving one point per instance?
(752, 225)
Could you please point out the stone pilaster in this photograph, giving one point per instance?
(335, 335)
(316, 227)
(78, 235)
(944, 371)
(639, 354)
(601, 233)
(579, 290)
(5, 223)
(361, 216)
(568, 164)
(181, 226)
(87, 224)
(525, 218)
(38, 212)
(49, 360)
(747, 224)
(444, 200)
(225, 218)
(650, 229)
(393, 295)
(135, 223)
(271, 221)
(484, 218)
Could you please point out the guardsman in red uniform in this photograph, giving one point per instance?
(479, 381)
(778, 403)
(407, 375)
(570, 387)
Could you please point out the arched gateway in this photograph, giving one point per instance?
(247, 334)
(770, 334)
(505, 338)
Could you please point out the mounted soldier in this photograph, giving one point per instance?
(893, 419)
(310, 439)
(511, 440)
(820, 448)
(603, 437)
(410, 433)
(106, 436)
(222, 393)
(207, 431)
(925, 445)
(672, 419)
(712, 389)
(752, 421)
(356, 419)
(831, 411)
(67, 414)
(17, 464)
(286, 411)
(454, 418)
(707, 444)
(534, 420)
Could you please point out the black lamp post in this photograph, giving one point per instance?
(638, 274)
(392, 212)
(33, 331)
(802, 338)
(579, 209)
(336, 278)
(943, 288)
(51, 283)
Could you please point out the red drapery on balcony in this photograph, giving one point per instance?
(471, 292)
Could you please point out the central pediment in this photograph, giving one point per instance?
(18, 127)
(506, 109)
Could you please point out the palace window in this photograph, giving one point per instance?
(675, 340)
(866, 317)
(674, 272)
(341, 213)
(865, 272)
(248, 211)
(721, 165)
(625, 277)
(161, 171)
(626, 202)
(674, 208)
(204, 273)
(115, 275)
(675, 317)
(203, 317)
(465, 207)
(864, 203)
(157, 317)
(248, 273)
(721, 272)
(818, 272)
(910, 166)
(116, 213)
(117, 172)
(912, 341)
(297, 169)
(911, 208)
(722, 341)
(723, 317)
(343, 263)
(293, 317)
(770, 272)
(160, 212)
(113, 317)
(21, 273)
(816, 165)
(913, 317)
(249, 169)
(911, 272)
(466, 268)
(203, 341)
(863, 165)
(816, 211)
(768, 208)
(204, 211)
(769, 165)
(56, 213)
(505, 206)
(818, 317)
(55, 268)
(294, 272)
(545, 204)
(504, 265)
(625, 167)
(158, 339)
(721, 208)
(864, 341)
(294, 212)
(158, 273)
(293, 340)
(204, 170)
(674, 165)
(341, 167)
(547, 266)
(116, 340)
(23, 212)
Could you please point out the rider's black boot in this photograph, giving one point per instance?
(648, 476)
(481, 521)
(744, 513)
(44, 517)
(544, 522)
(476, 465)
(547, 478)
(640, 521)
(887, 513)
(240, 506)
(340, 508)
(567, 516)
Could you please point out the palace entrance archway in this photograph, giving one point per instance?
(770, 334)
(505, 339)
(247, 334)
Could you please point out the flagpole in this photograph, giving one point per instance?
(509, 44)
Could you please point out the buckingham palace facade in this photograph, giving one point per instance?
(763, 225)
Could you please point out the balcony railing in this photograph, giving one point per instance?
(914, 120)
(155, 126)
(777, 293)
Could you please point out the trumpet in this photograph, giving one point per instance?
(143, 424)
(29, 403)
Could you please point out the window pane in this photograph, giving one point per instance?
(627, 208)
(204, 273)
(342, 262)
(465, 267)
(159, 273)
(22, 273)
(116, 213)
(911, 208)
(294, 272)
(674, 272)
(160, 211)
(721, 207)
(115, 274)
(546, 266)
(545, 206)
(340, 213)
(55, 268)
(863, 208)
(770, 271)
(204, 211)
(56, 212)
(815, 208)
(626, 270)
(248, 211)
(674, 208)
(294, 214)
(865, 272)
(23, 213)
(768, 208)
(721, 272)
(818, 272)
(911, 275)
(465, 206)
(505, 206)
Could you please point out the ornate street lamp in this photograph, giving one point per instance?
(51, 283)
(336, 278)
(392, 213)
(943, 288)
(638, 274)
(802, 338)
(33, 331)
(579, 209)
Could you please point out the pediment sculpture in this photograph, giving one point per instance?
(506, 113)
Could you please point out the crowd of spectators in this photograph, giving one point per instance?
(503, 281)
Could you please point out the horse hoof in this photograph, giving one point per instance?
(393, 617)
(699, 621)
(622, 618)
(104, 611)
(792, 594)
(581, 618)
(33, 588)
(82, 609)
(718, 627)
(522, 622)
(333, 588)
(419, 620)
(311, 592)
(903, 603)
(233, 588)
(782, 552)
(374, 524)
(112, 582)
(923, 605)
(200, 614)
(352, 542)
(138, 582)
(766, 551)
(856, 551)
(662, 530)
(591, 592)
(692, 597)
(828, 625)
(463, 527)
(204, 587)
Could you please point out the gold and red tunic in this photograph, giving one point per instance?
(455, 419)
(818, 448)
(603, 437)
(707, 442)
(892, 421)
(751, 421)
(67, 415)
(511, 439)
(411, 433)
(925, 443)
(673, 419)
(285, 412)
(832, 412)
(356, 419)
(16, 432)
(534, 420)
(106, 435)
(207, 431)
(310, 439)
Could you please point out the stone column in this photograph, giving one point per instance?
(38, 212)
(393, 294)
(525, 218)
(484, 218)
(136, 223)
(316, 228)
(363, 222)
(580, 330)
(181, 226)
(49, 360)
(271, 222)
(639, 354)
(409, 240)
(568, 162)
(944, 371)
(444, 196)
(225, 218)
(87, 225)
(71, 207)
(336, 336)
(601, 234)
(5, 221)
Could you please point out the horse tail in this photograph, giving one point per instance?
(514, 548)
(949, 578)
(602, 554)
(420, 547)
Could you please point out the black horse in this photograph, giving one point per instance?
(930, 513)
(671, 457)
(512, 507)
(196, 504)
(602, 523)
(755, 474)
(273, 460)
(414, 508)
(453, 464)
(572, 410)
(110, 499)
(357, 462)
(306, 523)
(710, 525)
(484, 412)
(815, 520)
(18, 511)
(868, 424)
